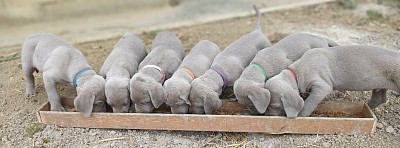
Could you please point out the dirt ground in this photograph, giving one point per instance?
(20, 128)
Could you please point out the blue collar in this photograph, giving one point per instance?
(78, 75)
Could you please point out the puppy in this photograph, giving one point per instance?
(165, 57)
(118, 68)
(61, 63)
(320, 71)
(249, 88)
(193, 65)
(225, 69)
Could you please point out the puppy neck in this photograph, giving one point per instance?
(290, 78)
(215, 80)
(153, 73)
(117, 72)
(185, 75)
(84, 78)
(253, 73)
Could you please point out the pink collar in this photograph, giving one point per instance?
(159, 69)
(293, 74)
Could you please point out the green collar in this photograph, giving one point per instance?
(261, 70)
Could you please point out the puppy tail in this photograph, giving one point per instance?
(127, 33)
(259, 21)
(331, 43)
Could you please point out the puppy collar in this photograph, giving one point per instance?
(188, 72)
(223, 76)
(261, 70)
(293, 74)
(159, 69)
(78, 75)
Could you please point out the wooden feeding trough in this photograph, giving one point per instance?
(351, 118)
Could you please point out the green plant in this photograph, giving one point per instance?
(34, 128)
(347, 4)
(9, 57)
(374, 15)
(151, 34)
(45, 140)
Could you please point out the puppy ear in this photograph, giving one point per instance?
(84, 103)
(212, 103)
(292, 104)
(157, 95)
(260, 98)
(185, 97)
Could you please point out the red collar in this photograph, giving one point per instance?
(293, 74)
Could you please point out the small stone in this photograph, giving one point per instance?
(379, 125)
(326, 144)
(112, 132)
(92, 133)
(4, 103)
(390, 129)
(4, 139)
(384, 123)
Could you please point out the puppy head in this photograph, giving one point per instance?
(284, 98)
(166, 38)
(146, 93)
(91, 96)
(117, 94)
(177, 95)
(252, 95)
(202, 98)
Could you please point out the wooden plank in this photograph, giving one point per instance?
(221, 123)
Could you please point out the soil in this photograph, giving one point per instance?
(346, 26)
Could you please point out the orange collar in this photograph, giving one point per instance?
(293, 74)
(189, 72)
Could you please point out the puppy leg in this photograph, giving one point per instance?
(318, 92)
(29, 80)
(378, 97)
(51, 89)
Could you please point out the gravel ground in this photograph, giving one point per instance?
(19, 127)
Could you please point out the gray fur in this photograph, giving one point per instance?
(204, 95)
(120, 65)
(178, 86)
(320, 71)
(249, 88)
(60, 62)
(167, 53)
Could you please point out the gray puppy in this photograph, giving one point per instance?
(146, 86)
(249, 88)
(61, 63)
(225, 69)
(119, 67)
(320, 71)
(193, 65)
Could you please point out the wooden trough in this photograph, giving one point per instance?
(360, 120)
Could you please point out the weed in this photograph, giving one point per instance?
(374, 15)
(151, 34)
(45, 140)
(14, 56)
(34, 128)
(347, 4)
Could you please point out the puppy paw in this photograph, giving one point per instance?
(29, 94)
(58, 108)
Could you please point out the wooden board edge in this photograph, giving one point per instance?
(42, 107)
(75, 119)
(64, 119)
(371, 114)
